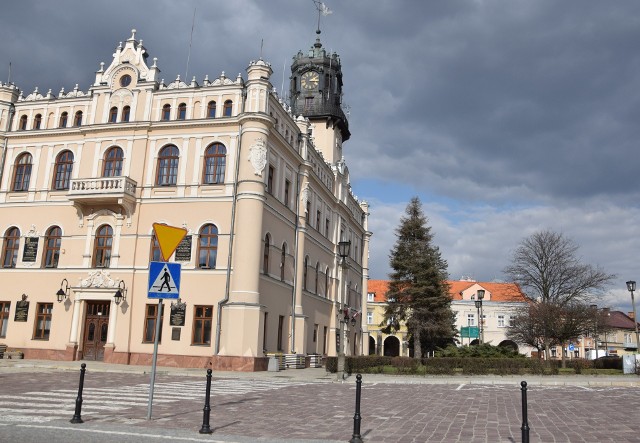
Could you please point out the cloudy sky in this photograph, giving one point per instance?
(505, 117)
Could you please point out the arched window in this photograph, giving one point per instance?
(112, 166)
(283, 260)
(37, 121)
(208, 247)
(155, 254)
(317, 275)
(126, 111)
(167, 173)
(22, 174)
(265, 256)
(23, 123)
(10, 249)
(182, 111)
(305, 273)
(102, 247)
(51, 252)
(228, 105)
(63, 167)
(113, 115)
(214, 164)
(166, 112)
(211, 109)
(77, 120)
(64, 117)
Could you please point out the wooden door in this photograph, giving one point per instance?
(96, 327)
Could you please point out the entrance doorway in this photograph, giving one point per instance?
(96, 326)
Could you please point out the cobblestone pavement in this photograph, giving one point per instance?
(288, 409)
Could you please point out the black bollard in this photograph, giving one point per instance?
(206, 429)
(76, 415)
(356, 438)
(525, 421)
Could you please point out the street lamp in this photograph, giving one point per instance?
(120, 293)
(595, 334)
(343, 252)
(631, 287)
(479, 297)
(63, 292)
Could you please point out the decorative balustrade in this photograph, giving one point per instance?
(107, 186)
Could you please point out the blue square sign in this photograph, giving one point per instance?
(164, 280)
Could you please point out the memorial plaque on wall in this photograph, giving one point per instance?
(30, 249)
(183, 251)
(175, 334)
(177, 314)
(22, 311)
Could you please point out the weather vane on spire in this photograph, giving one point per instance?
(323, 10)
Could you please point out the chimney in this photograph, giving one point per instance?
(631, 316)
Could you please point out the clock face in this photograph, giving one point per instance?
(310, 80)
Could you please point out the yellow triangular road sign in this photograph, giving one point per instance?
(169, 237)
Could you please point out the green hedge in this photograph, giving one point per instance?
(449, 365)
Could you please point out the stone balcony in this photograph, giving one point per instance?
(104, 191)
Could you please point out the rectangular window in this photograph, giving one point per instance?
(318, 220)
(270, 180)
(370, 296)
(4, 317)
(326, 227)
(471, 320)
(324, 340)
(315, 333)
(280, 327)
(43, 321)
(501, 321)
(202, 320)
(264, 332)
(150, 324)
(369, 318)
(554, 353)
(287, 185)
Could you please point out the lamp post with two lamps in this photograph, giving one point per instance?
(343, 315)
(478, 302)
(631, 287)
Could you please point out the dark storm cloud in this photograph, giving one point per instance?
(506, 116)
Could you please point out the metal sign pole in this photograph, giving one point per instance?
(155, 358)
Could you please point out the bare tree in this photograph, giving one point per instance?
(547, 268)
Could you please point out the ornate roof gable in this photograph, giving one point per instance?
(130, 57)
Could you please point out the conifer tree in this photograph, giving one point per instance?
(418, 293)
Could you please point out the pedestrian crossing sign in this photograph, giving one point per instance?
(164, 280)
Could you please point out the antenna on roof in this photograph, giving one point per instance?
(193, 24)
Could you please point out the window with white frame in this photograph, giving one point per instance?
(471, 320)
(369, 317)
(627, 338)
(501, 321)
(370, 296)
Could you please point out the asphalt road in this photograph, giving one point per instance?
(37, 406)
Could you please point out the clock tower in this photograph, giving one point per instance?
(316, 93)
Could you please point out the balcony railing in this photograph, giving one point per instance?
(103, 190)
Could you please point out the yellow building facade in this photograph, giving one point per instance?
(259, 184)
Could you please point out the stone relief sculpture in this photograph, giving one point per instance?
(258, 156)
(98, 279)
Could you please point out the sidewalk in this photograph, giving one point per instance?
(319, 375)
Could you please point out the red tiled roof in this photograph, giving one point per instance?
(619, 320)
(499, 292)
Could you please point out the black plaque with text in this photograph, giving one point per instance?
(30, 251)
(183, 251)
(22, 311)
(177, 315)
